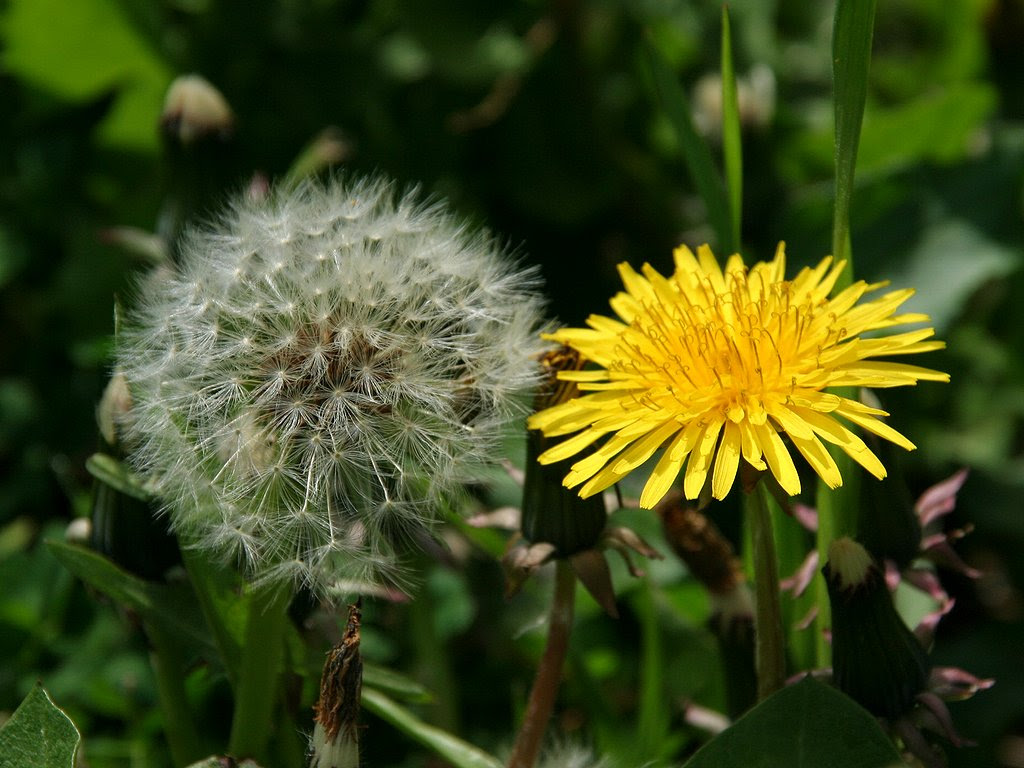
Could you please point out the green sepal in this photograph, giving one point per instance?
(876, 660)
(553, 513)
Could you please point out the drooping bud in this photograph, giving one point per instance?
(877, 660)
(711, 559)
(335, 741)
(551, 513)
(197, 128)
(194, 110)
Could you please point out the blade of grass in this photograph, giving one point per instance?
(457, 752)
(851, 59)
(732, 145)
(652, 715)
(696, 152)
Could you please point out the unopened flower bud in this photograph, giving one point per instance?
(194, 110)
(551, 513)
(336, 712)
(877, 661)
(113, 408)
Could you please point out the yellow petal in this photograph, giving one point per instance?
(820, 459)
(727, 461)
(571, 446)
(778, 458)
(880, 428)
(700, 459)
(830, 429)
(791, 423)
(751, 449)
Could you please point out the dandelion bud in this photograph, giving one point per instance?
(194, 109)
(877, 661)
(320, 373)
(113, 408)
(336, 730)
(551, 513)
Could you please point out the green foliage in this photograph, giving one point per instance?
(38, 735)
(572, 130)
(806, 725)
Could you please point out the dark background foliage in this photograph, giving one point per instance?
(536, 119)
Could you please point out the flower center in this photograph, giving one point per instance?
(736, 352)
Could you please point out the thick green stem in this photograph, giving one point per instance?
(771, 659)
(256, 693)
(203, 576)
(549, 672)
(169, 669)
(837, 517)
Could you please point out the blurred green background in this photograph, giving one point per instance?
(535, 118)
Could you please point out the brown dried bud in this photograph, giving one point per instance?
(697, 541)
(336, 712)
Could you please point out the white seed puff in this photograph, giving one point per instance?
(321, 371)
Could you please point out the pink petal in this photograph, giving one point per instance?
(955, 684)
(799, 581)
(806, 516)
(940, 499)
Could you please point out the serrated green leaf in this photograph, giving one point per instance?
(453, 749)
(806, 725)
(109, 470)
(38, 735)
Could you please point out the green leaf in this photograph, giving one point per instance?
(38, 735)
(807, 725)
(395, 684)
(173, 608)
(851, 58)
(80, 50)
(695, 150)
(936, 127)
(732, 144)
(109, 470)
(653, 709)
(457, 752)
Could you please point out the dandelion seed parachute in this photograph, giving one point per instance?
(321, 371)
(717, 365)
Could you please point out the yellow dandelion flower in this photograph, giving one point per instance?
(718, 365)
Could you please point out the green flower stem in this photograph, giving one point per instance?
(169, 669)
(771, 659)
(837, 517)
(256, 693)
(202, 577)
(549, 672)
(433, 662)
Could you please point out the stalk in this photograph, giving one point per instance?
(256, 694)
(549, 671)
(771, 660)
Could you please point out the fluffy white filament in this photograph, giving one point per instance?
(322, 370)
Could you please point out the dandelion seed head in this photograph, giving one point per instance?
(320, 371)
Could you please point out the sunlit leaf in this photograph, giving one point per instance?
(38, 735)
(82, 49)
